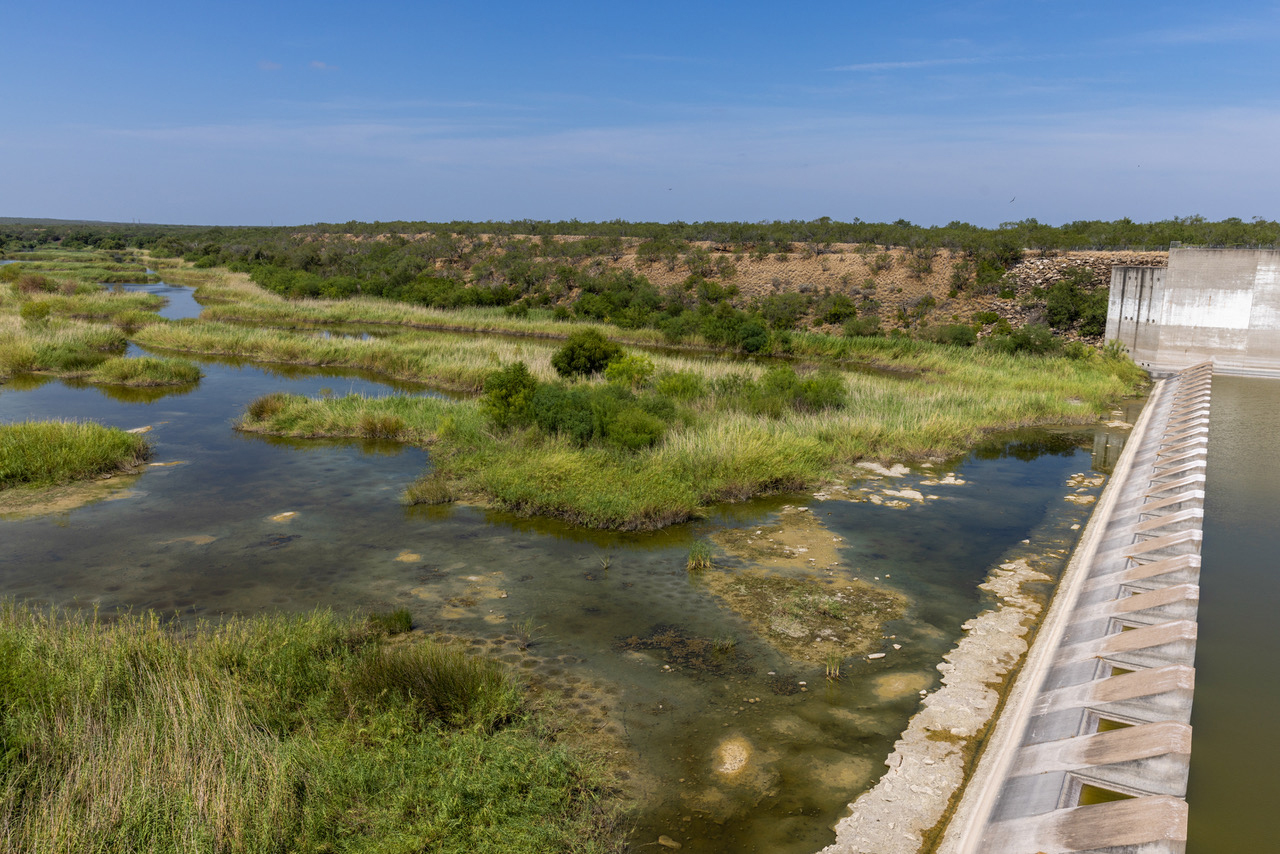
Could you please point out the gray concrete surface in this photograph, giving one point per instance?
(1219, 305)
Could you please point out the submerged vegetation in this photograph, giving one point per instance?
(35, 454)
(274, 734)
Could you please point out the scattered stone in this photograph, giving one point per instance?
(873, 656)
(138, 430)
(407, 556)
(667, 842)
(286, 516)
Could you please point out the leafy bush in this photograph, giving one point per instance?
(566, 411)
(634, 429)
(35, 311)
(586, 352)
(1034, 338)
(868, 326)
(681, 385)
(633, 370)
(836, 308)
(955, 334)
(985, 317)
(508, 393)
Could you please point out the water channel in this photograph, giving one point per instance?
(226, 523)
(1235, 750)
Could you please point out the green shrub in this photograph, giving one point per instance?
(634, 429)
(955, 334)
(1034, 338)
(35, 311)
(835, 309)
(868, 326)
(508, 393)
(586, 352)
(633, 370)
(753, 336)
(566, 411)
(681, 385)
(985, 317)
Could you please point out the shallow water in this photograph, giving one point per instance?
(197, 539)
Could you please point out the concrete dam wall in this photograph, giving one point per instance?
(1218, 305)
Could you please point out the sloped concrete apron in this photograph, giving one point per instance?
(1093, 748)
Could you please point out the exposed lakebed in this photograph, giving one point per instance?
(731, 739)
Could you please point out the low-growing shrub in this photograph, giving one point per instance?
(868, 326)
(681, 385)
(955, 334)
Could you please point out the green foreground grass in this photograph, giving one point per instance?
(37, 454)
(273, 734)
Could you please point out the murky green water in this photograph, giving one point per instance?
(198, 539)
(1235, 750)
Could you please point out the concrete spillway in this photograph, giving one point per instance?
(1092, 750)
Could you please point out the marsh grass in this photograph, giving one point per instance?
(714, 452)
(145, 371)
(56, 345)
(50, 453)
(699, 556)
(273, 734)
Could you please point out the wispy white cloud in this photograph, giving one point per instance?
(268, 65)
(322, 66)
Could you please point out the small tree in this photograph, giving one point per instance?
(508, 393)
(586, 352)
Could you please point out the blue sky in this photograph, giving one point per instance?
(288, 113)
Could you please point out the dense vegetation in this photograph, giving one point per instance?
(274, 734)
(49, 453)
(569, 268)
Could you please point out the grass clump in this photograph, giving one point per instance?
(273, 734)
(699, 556)
(146, 371)
(395, 622)
(50, 453)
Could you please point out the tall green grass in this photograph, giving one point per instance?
(272, 734)
(145, 371)
(714, 451)
(49, 453)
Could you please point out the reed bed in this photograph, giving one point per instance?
(272, 734)
(50, 453)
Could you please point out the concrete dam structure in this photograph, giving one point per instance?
(1217, 305)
